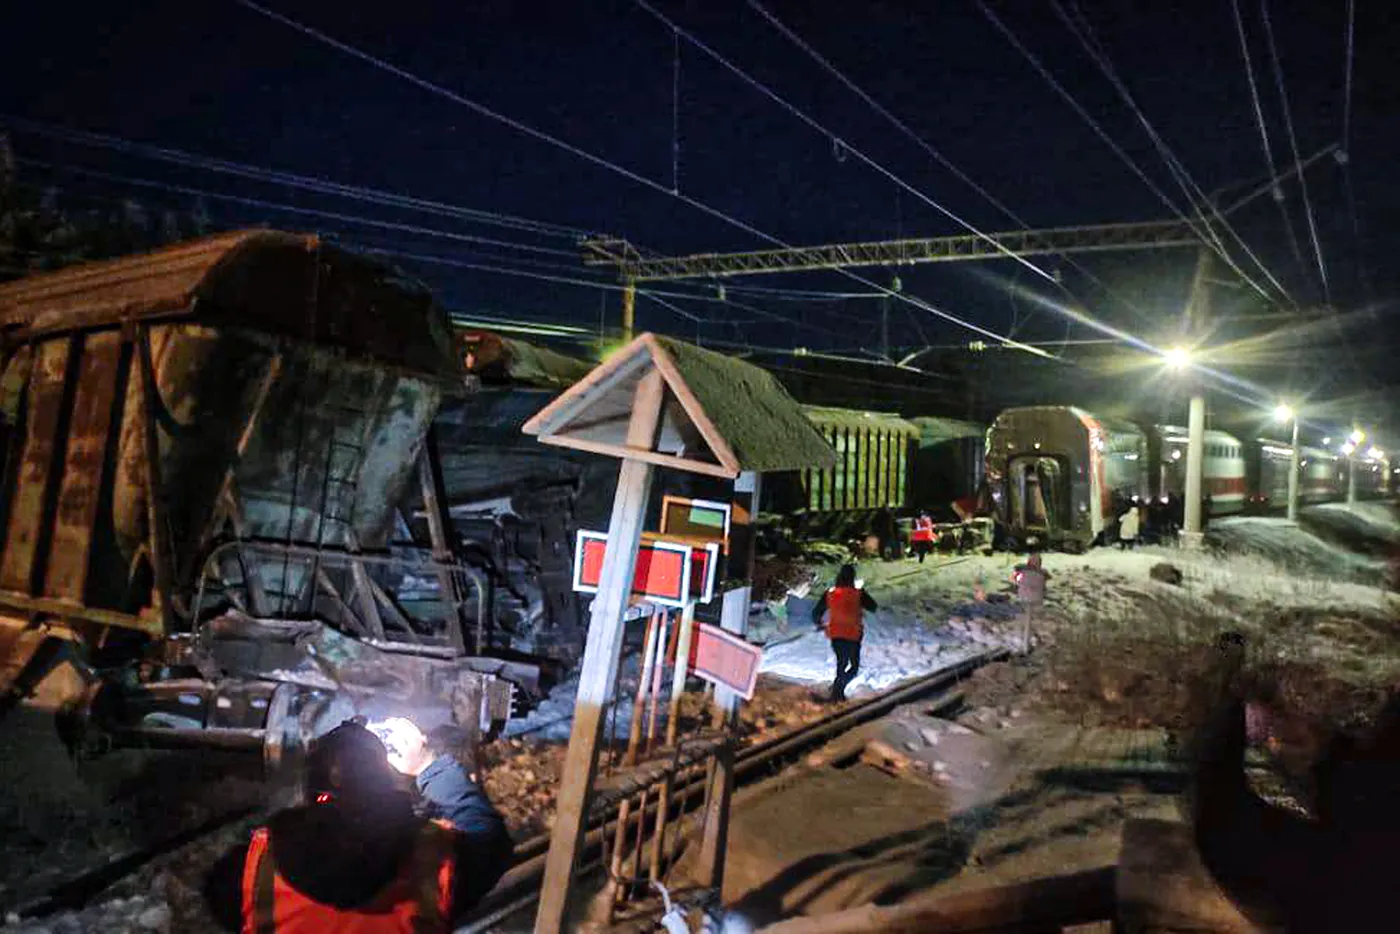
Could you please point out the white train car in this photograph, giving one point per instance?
(1222, 471)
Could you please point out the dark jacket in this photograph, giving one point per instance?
(343, 858)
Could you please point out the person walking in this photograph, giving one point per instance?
(1031, 579)
(358, 856)
(1129, 525)
(844, 607)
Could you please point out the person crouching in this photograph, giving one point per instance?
(844, 607)
(357, 857)
(923, 538)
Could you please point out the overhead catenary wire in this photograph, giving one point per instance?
(1262, 125)
(933, 152)
(1293, 147)
(294, 209)
(1080, 28)
(600, 161)
(1108, 140)
(289, 179)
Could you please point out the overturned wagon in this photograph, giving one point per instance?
(205, 450)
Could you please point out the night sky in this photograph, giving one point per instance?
(219, 79)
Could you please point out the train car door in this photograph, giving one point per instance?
(1039, 493)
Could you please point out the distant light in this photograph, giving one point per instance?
(1375, 453)
(1326, 441)
(1176, 454)
(1178, 358)
(1348, 448)
(1357, 436)
(1036, 445)
(1283, 412)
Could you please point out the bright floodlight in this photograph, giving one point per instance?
(1348, 448)
(1283, 412)
(1357, 436)
(1178, 358)
(1375, 453)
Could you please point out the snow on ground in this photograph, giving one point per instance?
(1371, 525)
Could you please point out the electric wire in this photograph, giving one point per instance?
(292, 209)
(1084, 32)
(289, 179)
(599, 161)
(1132, 164)
(816, 125)
(935, 154)
(1264, 136)
(1293, 147)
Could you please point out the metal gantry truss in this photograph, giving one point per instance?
(633, 267)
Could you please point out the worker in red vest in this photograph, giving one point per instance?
(923, 538)
(844, 605)
(358, 857)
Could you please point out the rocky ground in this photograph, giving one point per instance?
(1119, 650)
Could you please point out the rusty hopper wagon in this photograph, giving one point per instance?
(205, 450)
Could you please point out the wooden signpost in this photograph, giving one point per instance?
(659, 402)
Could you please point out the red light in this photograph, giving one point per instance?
(323, 798)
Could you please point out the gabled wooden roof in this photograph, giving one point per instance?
(721, 416)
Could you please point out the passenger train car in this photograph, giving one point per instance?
(1059, 475)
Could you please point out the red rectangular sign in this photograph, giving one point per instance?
(663, 570)
(724, 658)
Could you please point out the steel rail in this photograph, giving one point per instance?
(517, 889)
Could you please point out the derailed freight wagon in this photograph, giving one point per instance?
(205, 450)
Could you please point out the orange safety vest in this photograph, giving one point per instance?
(923, 531)
(417, 902)
(844, 614)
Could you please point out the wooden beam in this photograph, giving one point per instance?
(719, 445)
(673, 716)
(651, 457)
(734, 617)
(600, 658)
(581, 395)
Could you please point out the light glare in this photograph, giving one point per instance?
(1178, 358)
(1283, 412)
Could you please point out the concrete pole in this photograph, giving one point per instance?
(629, 309)
(1195, 458)
(1293, 476)
(1351, 477)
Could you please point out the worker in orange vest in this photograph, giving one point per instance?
(923, 538)
(358, 857)
(844, 605)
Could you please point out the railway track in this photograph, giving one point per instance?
(518, 888)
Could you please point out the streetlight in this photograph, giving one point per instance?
(1178, 358)
(1283, 412)
(1356, 437)
(1347, 448)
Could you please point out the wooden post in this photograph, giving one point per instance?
(629, 759)
(734, 617)
(678, 675)
(600, 657)
(439, 521)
